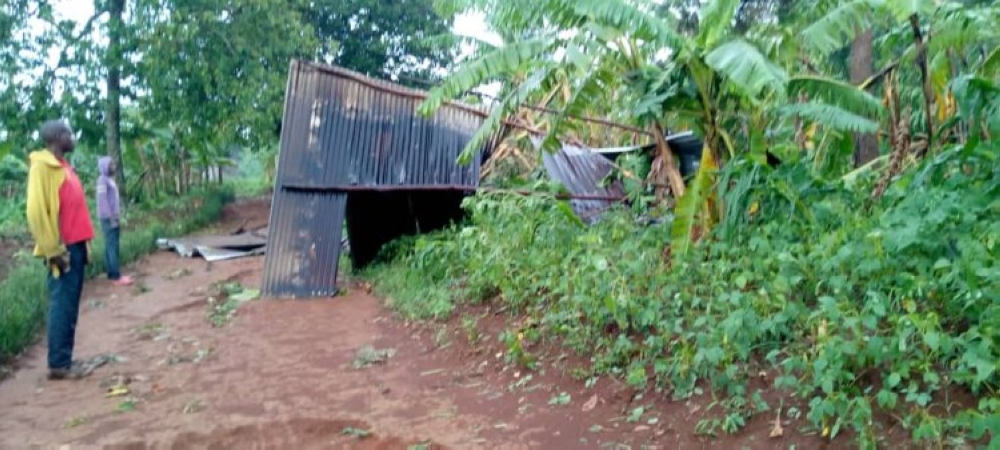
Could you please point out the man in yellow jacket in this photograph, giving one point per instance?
(60, 223)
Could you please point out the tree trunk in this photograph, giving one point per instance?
(112, 122)
(921, 42)
(861, 69)
(670, 169)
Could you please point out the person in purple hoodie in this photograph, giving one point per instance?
(109, 212)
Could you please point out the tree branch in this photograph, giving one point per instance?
(879, 75)
(71, 40)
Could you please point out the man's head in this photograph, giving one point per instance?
(58, 136)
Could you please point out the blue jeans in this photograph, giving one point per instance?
(111, 263)
(64, 307)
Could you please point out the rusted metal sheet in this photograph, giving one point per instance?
(344, 134)
(303, 249)
(581, 170)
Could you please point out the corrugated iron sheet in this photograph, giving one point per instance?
(344, 134)
(581, 170)
(688, 149)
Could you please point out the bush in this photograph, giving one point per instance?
(854, 308)
(23, 296)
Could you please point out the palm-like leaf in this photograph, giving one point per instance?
(830, 116)
(592, 91)
(940, 71)
(692, 204)
(623, 16)
(956, 31)
(745, 66)
(838, 27)
(717, 22)
(903, 9)
(503, 60)
(842, 95)
(538, 80)
(990, 65)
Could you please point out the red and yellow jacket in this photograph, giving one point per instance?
(57, 206)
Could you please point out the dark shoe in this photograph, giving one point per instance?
(75, 372)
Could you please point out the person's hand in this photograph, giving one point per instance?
(115, 223)
(60, 262)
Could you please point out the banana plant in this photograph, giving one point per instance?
(940, 39)
(597, 42)
(619, 51)
(718, 72)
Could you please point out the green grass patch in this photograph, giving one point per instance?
(23, 296)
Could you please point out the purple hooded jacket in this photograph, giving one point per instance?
(107, 192)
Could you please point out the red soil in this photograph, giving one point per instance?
(281, 375)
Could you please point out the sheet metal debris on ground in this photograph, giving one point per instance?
(582, 170)
(219, 247)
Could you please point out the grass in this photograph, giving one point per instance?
(23, 297)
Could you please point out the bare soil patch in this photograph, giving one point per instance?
(300, 374)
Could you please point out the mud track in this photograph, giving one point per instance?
(283, 375)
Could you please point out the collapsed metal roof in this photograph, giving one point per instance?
(354, 149)
(582, 170)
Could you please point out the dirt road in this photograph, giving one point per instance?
(284, 374)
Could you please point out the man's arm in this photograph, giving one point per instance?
(42, 211)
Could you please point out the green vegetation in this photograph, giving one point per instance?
(190, 85)
(23, 293)
(858, 277)
(820, 289)
(232, 296)
(190, 107)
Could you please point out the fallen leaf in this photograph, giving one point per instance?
(777, 431)
(356, 432)
(591, 404)
(246, 295)
(117, 391)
